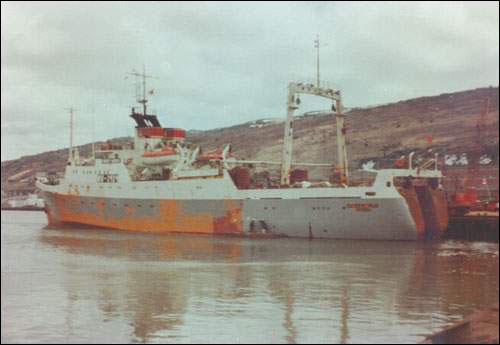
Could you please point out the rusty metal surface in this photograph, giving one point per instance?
(241, 177)
(347, 218)
(428, 208)
(410, 196)
(187, 216)
(298, 175)
(440, 206)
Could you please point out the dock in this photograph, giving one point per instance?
(474, 226)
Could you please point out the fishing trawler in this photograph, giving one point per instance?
(163, 184)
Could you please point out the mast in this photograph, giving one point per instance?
(144, 99)
(71, 114)
(93, 133)
(71, 130)
(316, 45)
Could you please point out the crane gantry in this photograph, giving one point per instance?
(294, 89)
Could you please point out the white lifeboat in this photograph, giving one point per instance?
(166, 155)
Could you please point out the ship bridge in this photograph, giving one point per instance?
(148, 126)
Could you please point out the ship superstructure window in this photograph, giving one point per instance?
(107, 178)
(111, 161)
(108, 157)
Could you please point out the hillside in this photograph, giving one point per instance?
(373, 133)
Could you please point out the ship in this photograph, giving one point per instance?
(161, 183)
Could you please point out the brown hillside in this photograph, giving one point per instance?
(388, 130)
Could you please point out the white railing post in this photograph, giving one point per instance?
(410, 157)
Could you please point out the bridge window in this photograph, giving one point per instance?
(107, 178)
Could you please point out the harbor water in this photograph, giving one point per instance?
(85, 285)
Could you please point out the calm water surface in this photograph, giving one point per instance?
(82, 285)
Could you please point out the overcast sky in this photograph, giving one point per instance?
(219, 64)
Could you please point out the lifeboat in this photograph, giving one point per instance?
(216, 155)
(166, 155)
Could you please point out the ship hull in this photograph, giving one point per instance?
(342, 218)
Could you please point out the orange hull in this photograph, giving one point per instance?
(157, 216)
(429, 209)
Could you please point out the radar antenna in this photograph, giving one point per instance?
(141, 97)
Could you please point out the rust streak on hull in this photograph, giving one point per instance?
(428, 208)
(410, 196)
(160, 216)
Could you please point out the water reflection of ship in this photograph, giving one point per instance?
(154, 298)
(159, 275)
(444, 270)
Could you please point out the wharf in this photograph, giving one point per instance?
(475, 226)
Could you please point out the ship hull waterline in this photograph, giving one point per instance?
(339, 218)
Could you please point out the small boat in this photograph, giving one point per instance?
(164, 156)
